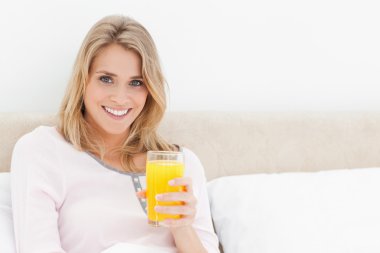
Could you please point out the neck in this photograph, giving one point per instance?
(114, 141)
(111, 141)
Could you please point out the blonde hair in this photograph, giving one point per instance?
(142, 136)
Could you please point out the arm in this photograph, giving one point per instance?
(36, 196)
(185, 236)
(187, 240)
(202, 223)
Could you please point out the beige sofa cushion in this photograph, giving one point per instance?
(231, 143)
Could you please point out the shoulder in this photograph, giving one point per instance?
(42, 137)
(193, 165)
(189, 155)
(41, 133)
(36, 161)
(195, 170)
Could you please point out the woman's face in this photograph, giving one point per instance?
(115, 93)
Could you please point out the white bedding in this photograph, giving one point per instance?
(133, 248)
(330, 212)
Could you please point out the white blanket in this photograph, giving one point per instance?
(133, 248)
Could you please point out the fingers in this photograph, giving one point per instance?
(186, 211)
(182, 210)
(183, 181)
(187, 215)
(186, 197)
(141, 194)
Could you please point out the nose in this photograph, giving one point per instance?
(120, 96)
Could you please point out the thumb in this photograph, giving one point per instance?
(141, 194)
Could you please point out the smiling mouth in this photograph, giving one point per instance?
(116, 113)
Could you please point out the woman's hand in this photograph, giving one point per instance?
(186, 211)
(185, 237)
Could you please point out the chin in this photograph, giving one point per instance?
(116, 130)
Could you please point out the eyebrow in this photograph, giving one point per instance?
(112, 74)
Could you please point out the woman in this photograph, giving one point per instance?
(77, 187)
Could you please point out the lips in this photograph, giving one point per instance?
(116, 114)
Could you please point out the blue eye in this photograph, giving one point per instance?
(105, 79)
(136, 83)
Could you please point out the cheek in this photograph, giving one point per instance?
(142, 96)
(86, 99)
(93, 95)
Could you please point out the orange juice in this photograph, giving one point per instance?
(158, 175)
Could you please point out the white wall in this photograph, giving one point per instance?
(217, 55)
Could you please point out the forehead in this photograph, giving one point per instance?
(116, 59)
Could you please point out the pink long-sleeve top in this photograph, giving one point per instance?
(65, 200)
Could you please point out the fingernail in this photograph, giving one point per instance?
(156, 208)
(171, 182)
(158, 196)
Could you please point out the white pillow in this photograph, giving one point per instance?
(331, 212)
(6, 223)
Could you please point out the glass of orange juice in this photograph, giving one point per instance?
(161, 167)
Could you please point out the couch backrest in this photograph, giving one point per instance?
(231, 143)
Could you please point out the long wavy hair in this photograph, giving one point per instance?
(143, 135)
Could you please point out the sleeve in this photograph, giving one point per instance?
(203, 222)
(37, 194)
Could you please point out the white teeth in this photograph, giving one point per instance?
(115, 112)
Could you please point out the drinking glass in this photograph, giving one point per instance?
(161, 167)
